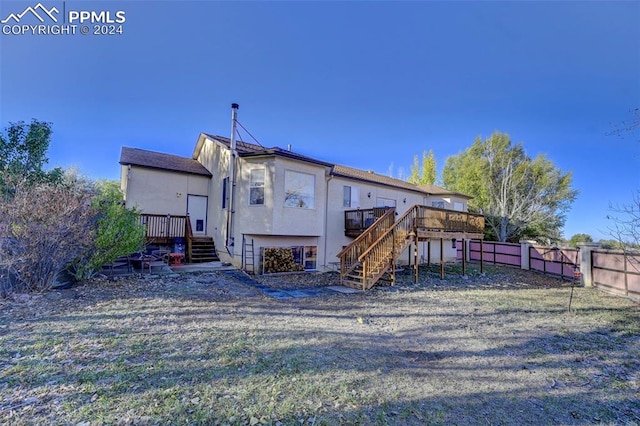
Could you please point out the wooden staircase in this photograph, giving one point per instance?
(376, 250)
(202, 249)
(388, 241)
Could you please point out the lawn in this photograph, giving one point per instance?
(206, 349)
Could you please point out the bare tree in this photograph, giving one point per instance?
(625, 218)
(43, 227)
(625, 221)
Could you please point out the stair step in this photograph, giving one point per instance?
(353, 284)
(203, 250)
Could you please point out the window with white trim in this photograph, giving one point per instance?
(350, 197)
(299, 190)
(256, 187)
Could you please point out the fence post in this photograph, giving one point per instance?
(586, 275)
(524, 255)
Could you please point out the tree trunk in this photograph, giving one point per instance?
(503, 229)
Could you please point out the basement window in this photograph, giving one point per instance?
(305, 256)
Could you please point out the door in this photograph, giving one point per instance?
(197, 211)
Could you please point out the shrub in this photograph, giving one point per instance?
(43, 227)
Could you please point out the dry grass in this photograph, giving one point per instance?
(204, 349)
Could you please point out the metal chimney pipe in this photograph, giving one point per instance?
(232, 178)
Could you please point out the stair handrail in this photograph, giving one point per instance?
(188, 232)
(401, 220)
(379, 257)
(349, 255)
(369, 230)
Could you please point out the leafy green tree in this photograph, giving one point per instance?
(118, 230)
(425, 173)
(579, 238)
(23, 149)
(519, 195)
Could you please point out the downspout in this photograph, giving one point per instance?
(232, 180)
(326, 219)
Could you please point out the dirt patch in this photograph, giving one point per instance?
(499, 348)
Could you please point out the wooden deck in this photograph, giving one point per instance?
(374, 252)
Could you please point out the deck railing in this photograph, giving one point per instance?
(356, 221)
(441, 220)
(161, 229)
(379, 247)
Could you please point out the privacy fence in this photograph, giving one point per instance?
(613, 271)
(616, 272)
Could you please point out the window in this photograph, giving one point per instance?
(299, 190)
(438, 204)
(225, 192)
(458, 206)
(310, 257)
(256, 187)
(385, 202)
(305, 256)
(350, 197)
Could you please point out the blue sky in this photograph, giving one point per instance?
(365, 84)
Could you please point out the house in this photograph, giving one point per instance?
(274, 197)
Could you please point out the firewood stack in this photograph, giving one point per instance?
(279, 260)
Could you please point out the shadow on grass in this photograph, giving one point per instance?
(177, 361)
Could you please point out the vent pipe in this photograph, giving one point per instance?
(232, 179)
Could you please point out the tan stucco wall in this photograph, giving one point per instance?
(264, 241)
(255, 219)
(448, 201)
(216, 160)
(336, 239)
(161, 192)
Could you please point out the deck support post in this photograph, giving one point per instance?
(464, 257)
(442, 258)
(428, 253)
(481, 258)
(415, 259)
(393, 273)
(364, 275)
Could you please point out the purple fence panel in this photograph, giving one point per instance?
(495, 252)
(554, 261)
(459, 249)
(616, 272)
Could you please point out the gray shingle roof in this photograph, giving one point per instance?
(369, 176)
(161, 161)
(437, 190)
(246, 149)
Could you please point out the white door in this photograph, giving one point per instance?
(197, 211)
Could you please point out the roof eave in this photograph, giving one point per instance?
(388, 185)
(165, 169)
